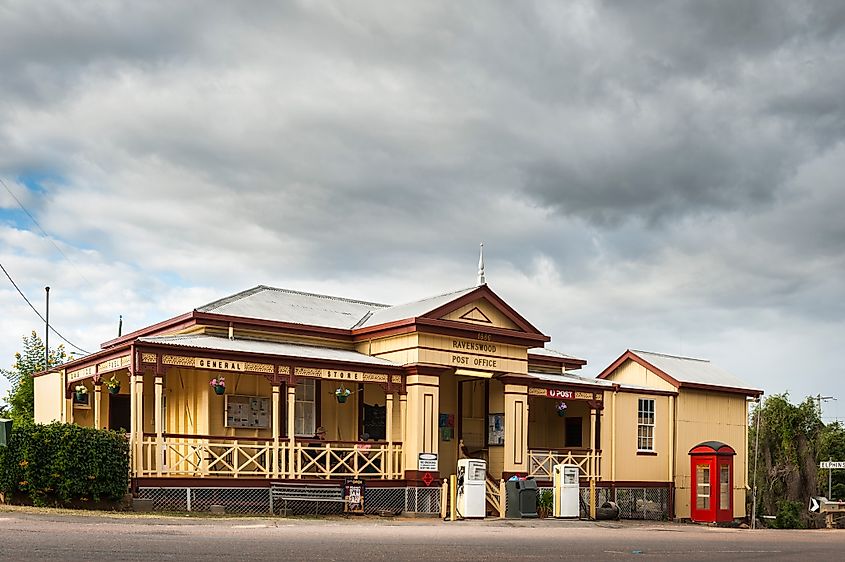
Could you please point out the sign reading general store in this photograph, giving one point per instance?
(219, 364)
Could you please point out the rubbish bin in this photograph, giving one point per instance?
(5, 431)
(521, 498)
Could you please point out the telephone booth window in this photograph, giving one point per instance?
(724, 486)
(702, 481)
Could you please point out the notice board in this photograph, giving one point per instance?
(247, 411)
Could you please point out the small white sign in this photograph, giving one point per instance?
(832, 464)
(427, 462)
(814, 505)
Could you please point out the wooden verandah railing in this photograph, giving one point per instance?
(541, 462)
(249, 457)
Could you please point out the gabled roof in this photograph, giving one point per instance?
(215, 343)
(413, 309)
(684, 372)
(295, 307)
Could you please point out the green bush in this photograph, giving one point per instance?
(545, 499)
(789, 515)
(62, 463)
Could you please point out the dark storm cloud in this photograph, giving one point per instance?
(730, 99)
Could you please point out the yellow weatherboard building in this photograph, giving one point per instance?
(272, 386)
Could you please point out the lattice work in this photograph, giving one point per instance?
(178, 360)
(258, 367)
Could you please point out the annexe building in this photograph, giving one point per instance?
(401, 392)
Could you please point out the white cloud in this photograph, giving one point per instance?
(638, 181)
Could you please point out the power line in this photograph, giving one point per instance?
(44, 232)
(39, 314)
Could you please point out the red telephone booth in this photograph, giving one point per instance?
(712, 475)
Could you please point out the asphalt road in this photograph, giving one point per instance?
(27, 534)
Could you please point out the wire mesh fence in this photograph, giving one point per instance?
(643, 503)
(259, 501)
(634, 503)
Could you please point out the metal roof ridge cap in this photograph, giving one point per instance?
(670, 356)
(322, 296)
(215, 304)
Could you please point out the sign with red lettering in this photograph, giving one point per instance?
(560, 394)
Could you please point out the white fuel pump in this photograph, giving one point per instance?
(471, 493)
(566, 490)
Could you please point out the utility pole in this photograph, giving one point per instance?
(821, 399)
(47, 331)
(759, 413)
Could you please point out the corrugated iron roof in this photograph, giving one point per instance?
(690, 370)
(568, 377)
(285, 305)
(200, 341)
(411, 309)
(551, 353)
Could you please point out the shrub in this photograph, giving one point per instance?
(61, 463)
(789, 515)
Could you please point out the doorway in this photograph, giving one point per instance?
(120, 416)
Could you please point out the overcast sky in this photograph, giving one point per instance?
(647, 175)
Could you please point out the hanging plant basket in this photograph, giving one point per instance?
(114, 389)
(80, 397)
(219, 389)
(561, 409)
(341, 398)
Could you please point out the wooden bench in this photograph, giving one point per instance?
(319, 494)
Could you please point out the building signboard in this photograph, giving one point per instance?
(565, 394)
(81, 373)
(427, 462)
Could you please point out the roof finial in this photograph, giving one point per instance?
(481, 280)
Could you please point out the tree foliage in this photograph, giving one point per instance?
(792, 441)
(21, 397)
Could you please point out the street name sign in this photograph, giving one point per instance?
(832, 464)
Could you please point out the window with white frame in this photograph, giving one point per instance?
(645, 424)
(305, 408)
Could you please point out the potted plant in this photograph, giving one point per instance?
(218, 384)
(561, 409)
(545, 502)
(81, 391)
(113, 385)
(342, 394)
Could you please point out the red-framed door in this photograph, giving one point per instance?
(702, 504)
(723, 493)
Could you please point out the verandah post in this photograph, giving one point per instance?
(389, 430)
(292, 466)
